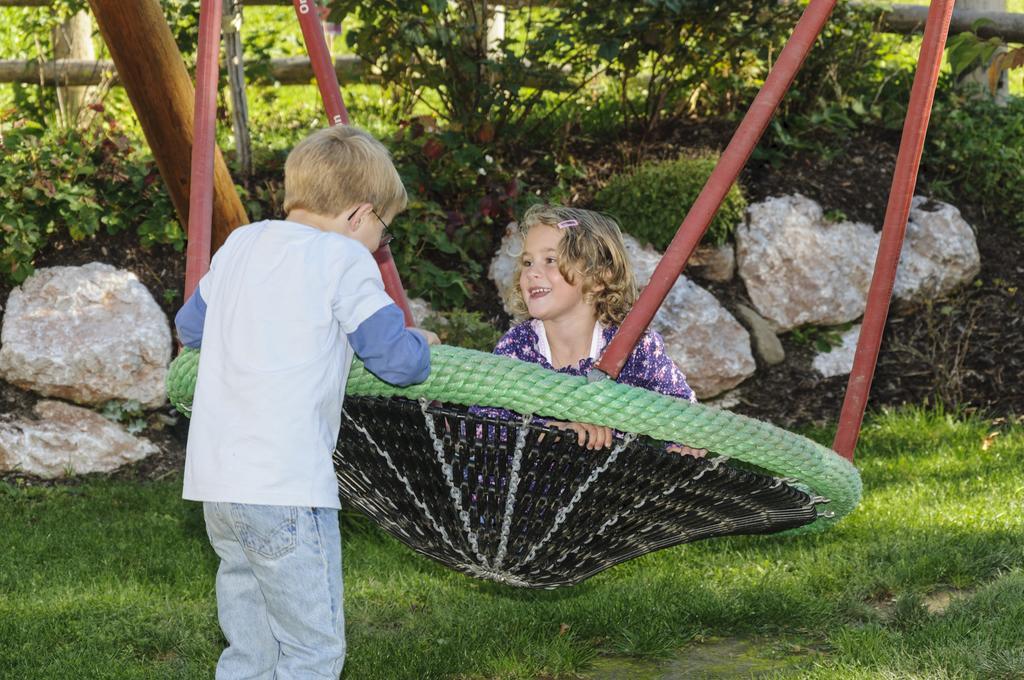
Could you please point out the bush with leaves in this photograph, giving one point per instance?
(439, 52)
(975, 155)
(855, 75)
(75, 183)
(458, 194)
(463, 329)
(821, 338)
(665, 56)
(128, 413)
(681, 56)
(968, 50)
(651, 201)
(855, 67)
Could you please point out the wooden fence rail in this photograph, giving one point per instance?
(907, 19)
(286, 70)
(903, 19)
(47, 3)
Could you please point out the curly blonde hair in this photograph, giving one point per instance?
(592, 248)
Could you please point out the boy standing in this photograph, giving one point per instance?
(279, 315)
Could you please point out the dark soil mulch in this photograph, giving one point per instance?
(964, 352)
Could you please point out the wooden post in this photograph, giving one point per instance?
(495, 29)
(73, 40)
(233, 52)
(153, 74)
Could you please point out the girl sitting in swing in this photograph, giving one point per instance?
(575, 286)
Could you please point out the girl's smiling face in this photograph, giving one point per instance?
(548, 296)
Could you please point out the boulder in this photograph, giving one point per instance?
(940, 252)
(420, 309)
(87, 334)
(799, 268)
(766, 343)
(713, 263)
(67, 440)
(503, 264)
(838, 360)
(701, 336)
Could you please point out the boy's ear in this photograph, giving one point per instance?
(355, 217)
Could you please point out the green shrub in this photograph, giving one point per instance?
(458, 195)
(651, 201)
(667, 57)
(855, 76)
(975, 155)
(432, 263)
(463, 329)
(854, 73)
(75, 183)
(439, 53)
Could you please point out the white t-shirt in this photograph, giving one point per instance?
(281, 297)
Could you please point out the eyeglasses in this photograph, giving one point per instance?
(386, 236)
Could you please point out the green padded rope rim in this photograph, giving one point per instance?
(468, 377)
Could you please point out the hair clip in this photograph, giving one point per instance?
(565, 224)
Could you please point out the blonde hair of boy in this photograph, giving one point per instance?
(591, 247)
(337, 167)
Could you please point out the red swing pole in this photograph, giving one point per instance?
(721, 180)
(327, 81)
(904, 179)
(200, 198)
(320, 58)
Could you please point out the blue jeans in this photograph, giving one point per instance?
(279, 590)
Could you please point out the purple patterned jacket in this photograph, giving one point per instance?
(649, 366)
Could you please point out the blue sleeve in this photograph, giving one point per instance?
(390, 351)
(189, 321)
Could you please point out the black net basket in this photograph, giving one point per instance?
(523, 504)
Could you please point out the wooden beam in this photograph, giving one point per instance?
(47, 3)
(1008, 26)
(297, 70)
(905, 19)
(56, 72)
(899, 19)
(154, 76)
(285, 70)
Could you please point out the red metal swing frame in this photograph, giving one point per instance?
(697, 219)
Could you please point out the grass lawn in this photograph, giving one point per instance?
(104, 579)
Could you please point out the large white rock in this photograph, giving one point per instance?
(87, 334)
(940, 252)
(713, 263)
(701, 336)
(503, 264)
(67, 440)
(801, 269)
(420, 309)
(838, 360)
